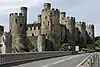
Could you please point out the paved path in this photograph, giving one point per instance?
(65, 61)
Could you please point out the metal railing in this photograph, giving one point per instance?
(89, 61)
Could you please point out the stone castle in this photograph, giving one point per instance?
(52, 29)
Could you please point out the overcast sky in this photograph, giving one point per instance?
(83, 10)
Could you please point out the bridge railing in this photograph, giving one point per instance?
(20, 57)
(88, 62)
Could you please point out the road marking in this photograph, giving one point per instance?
(61, 61)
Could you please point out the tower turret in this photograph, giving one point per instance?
(24, 11)
(39, 18)
(47, 6)
(63, 17)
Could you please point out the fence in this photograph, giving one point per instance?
(88, 62)
(7, 59)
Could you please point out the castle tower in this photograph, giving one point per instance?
(82, 29)
(71, 25)
(17, 26)
(71, 28)
(24, 11)
(90, 31)
(50, 24)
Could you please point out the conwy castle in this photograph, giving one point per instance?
(51, 30)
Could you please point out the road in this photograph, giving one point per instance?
(65, 61)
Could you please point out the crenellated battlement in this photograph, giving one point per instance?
(81, 23)
(70, 18)
(90, 25)
(16, 14)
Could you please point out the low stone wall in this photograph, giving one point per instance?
(19, 57)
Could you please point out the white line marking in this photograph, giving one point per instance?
(61, 61)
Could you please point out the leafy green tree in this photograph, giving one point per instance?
(66, 47)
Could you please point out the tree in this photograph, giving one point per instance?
(66, 47)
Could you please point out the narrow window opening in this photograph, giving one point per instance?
(48, 23)
(45, 17)
(34, 28)
(89, 33)
(32, 34)
(20, 25)
(30, 28)
(16, 21)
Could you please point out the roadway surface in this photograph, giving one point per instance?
(65, 61)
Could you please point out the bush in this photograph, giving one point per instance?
(66, 47)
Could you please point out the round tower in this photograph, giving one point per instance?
(41, 42)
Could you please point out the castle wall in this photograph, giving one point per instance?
(7, 42)
(32, 42)
(33, 29)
